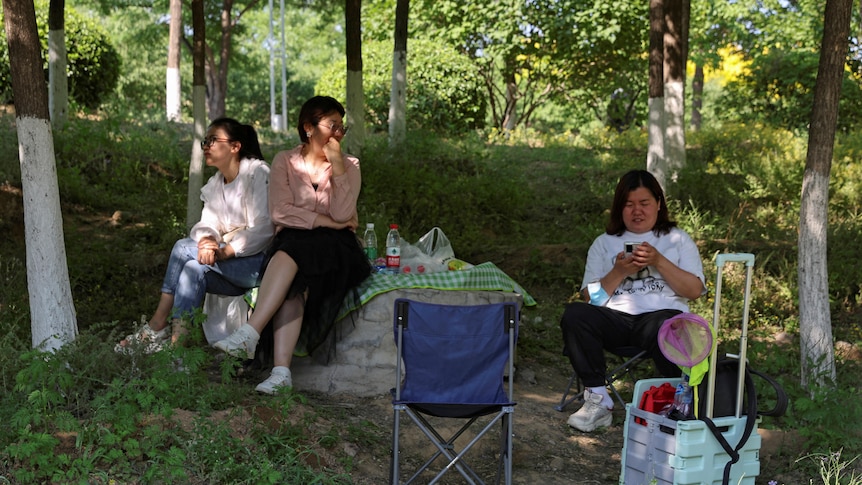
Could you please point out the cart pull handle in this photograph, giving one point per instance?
(723, 258)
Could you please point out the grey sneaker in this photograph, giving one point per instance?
(145, 339)
(241, 343)
(278, 379)
(592, 414)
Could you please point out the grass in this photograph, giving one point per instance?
(530, 203)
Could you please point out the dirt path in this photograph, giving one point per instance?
(547, 450)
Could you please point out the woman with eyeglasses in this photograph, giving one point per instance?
(225, 252)
(317, 259)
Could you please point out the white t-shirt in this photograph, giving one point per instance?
(646, 290)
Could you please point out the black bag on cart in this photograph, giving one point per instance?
(726, 374)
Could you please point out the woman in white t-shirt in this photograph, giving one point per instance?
(640, 272)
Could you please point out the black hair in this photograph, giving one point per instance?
(314, 110)
(249, 146)
(630, 181)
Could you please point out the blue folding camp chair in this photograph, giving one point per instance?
(452, 363)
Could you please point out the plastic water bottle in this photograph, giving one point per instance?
(683, 399)
(393, 250)
(370, 239)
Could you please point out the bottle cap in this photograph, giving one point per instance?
(393, 226)
(369, 225)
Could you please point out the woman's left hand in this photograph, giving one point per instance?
(645, 255)
(681, 281)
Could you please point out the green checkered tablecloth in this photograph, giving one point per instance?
(485, 276)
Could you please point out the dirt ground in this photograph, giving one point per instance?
(546, 449)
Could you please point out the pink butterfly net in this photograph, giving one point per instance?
(685, 339)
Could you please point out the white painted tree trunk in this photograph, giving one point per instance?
(52, 311)
(674, 120)
(656, 160)
(173, 87)
(196, 164)
(815, 329)
(173, 94)
(398, 99)
(58, 83)
(355, 113)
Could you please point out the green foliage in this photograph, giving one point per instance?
(87, 410)
(448, 183)
(93, 63)
(778, 89)
(444, 92)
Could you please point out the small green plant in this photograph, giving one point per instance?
(832, 468)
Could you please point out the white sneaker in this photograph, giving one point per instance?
(241, 343)
(278, 379)
(593, 414)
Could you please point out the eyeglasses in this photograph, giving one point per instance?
(336, 128)
(208, 141)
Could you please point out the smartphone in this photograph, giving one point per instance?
(630, 247)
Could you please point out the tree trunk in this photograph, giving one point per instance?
(52, 311)
(199, 98)
(58, 83)
(173, 87)
(398, 95)
(656, 162)
(216, 73)
(815, 323)
(355, 90)
(696, 96)
(675, 20)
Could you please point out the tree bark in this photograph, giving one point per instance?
(675, 47)
(815, 323)
(216, 72)
(696, 97)
(52, 311)
(173, 86)
(355, 90)
(398, 95)
(656, 162)
(199, 106)
(58, 83)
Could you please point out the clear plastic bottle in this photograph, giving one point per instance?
(683, 399)
(370, 240)
(393, 250)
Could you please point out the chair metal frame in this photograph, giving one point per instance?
(630, 357)
(446, 447)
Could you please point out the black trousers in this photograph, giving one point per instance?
(589, 330)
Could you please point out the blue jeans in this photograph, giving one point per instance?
(189, 280)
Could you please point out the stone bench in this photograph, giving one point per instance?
(363, 363)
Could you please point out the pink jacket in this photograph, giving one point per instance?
(293, 202)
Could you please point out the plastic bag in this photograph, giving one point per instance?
(436, 246)
(414, 261)
(225, 314)
(431, 254)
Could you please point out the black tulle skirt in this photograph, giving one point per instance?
(331, 265)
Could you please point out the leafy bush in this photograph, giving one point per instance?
(444, 91)
(93, 63)
(778, 89)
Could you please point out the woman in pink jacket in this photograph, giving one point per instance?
(316, 257)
